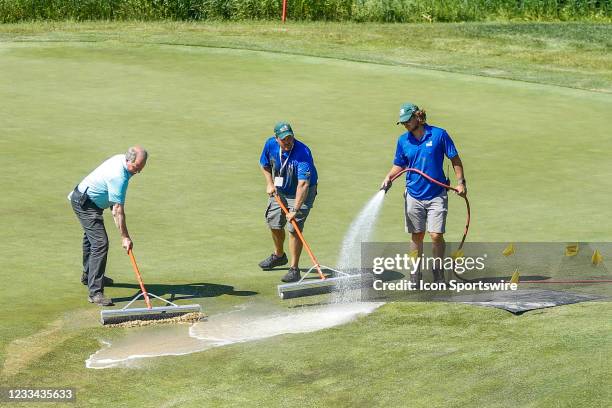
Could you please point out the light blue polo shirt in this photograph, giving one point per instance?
(299, 165)
(108, 183)
(426, 155)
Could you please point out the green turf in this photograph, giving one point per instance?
(536, 160)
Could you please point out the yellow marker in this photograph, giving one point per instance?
(509, 250)
(571, 250)
(414, 254)
(596, 259)
(457, 254)
(516, 276)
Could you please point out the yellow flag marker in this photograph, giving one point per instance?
(457, 254)
(509, 250)
(414, 254)
(596, 259)
(516, 276)
(571, 250)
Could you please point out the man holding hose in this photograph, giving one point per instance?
(289, 171)
(423, 147)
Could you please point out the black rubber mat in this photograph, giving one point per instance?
(524, 300)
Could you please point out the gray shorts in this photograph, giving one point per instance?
(426, 215)
(275, 218)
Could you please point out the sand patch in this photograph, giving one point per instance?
(22, 352)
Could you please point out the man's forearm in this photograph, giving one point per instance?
(119, 217)
(267, 172)
(458, 168)
(300, 195)
(394, 171)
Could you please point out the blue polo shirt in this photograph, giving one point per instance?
(108, 183)
(300, 165)
(426, 155)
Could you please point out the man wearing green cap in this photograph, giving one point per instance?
(289, 171)
(423, 147)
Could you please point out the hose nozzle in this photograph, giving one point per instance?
(385, 187)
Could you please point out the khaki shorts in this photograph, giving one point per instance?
(426, 215)
(275, 218)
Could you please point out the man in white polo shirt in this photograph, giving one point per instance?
(105, 187)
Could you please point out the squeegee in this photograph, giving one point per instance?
(316, 286)
(127, 314)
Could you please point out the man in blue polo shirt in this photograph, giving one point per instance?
(289, 171)
(423, 147)
(104, 187)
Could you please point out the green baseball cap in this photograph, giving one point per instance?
(406, 111)
(282, 130)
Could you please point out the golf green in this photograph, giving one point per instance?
(536, 159)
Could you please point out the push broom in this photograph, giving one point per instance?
(127, 314)
(310, 287)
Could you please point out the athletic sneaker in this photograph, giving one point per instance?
(438, 276)
(107, 281)
(100, 299)
(292, 276)
(273, 261)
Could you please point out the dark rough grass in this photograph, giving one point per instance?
(387, 11)
(574, 55)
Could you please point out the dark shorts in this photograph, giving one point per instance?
(275, 218)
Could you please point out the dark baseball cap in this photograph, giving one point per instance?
(406, 112)
(282, 130)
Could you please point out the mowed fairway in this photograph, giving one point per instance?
(537, 162)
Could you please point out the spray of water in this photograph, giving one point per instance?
(349, 261)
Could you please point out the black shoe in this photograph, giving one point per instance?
(415, 279)
(107, 281)
(100, 299)
(292, 276)
(438, 276)
(273, 261)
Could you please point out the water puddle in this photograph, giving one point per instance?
(241, 325)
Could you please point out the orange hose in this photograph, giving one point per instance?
(139, 278)
(299, 233)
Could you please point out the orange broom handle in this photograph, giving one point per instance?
(139, 278)
(299, 233)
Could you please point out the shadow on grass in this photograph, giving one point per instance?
(186, 291)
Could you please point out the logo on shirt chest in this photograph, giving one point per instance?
(429, 144)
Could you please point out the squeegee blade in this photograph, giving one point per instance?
(113, 316)
(319, 286)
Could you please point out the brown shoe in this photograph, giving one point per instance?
(100, 299)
